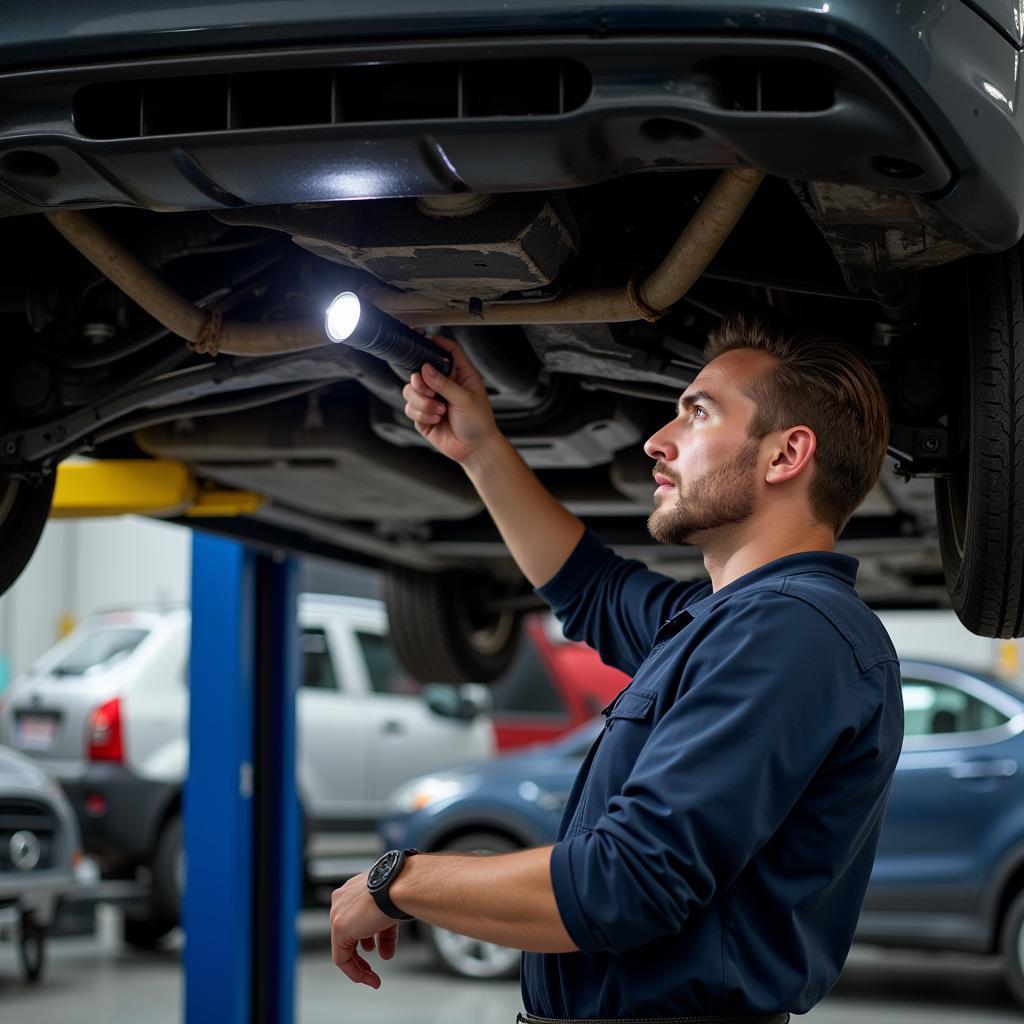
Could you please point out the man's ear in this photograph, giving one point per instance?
(792, 454)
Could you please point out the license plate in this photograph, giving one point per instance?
(37, 732)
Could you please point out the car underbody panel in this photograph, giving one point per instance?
(476, 165)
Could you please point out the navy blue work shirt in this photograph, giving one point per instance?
(715, 849)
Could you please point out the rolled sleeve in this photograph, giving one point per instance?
(567, 896)
(715, 779)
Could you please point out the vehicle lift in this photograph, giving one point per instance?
(242, 825)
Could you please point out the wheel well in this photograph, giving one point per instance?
(173, 807)
(480, 829)
(1012, 888)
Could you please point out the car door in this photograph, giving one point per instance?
(331, 736)
(956, 784)
(408, 739)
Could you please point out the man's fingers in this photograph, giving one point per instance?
(426, 419)
(387, 942)
(368, 944)
(444, 386)
(422, 403)
(419, 385)
(446, 343)
(354, 966)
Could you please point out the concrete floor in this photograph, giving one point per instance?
(97, 981)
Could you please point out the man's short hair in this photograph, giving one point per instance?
(822, 383)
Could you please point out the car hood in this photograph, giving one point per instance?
(515, 767)
(16, 770)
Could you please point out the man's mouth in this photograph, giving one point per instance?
(664, 483)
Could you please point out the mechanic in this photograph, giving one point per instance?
(714, 852)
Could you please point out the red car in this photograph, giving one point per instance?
(552, 686)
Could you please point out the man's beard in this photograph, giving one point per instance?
(721, 497)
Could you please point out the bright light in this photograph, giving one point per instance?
(342, 316)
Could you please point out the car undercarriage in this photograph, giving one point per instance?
(175, 228)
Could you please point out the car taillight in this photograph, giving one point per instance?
(103, 733)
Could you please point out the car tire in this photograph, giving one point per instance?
(1011, 946)
(440, 629)
(459, 955)
(981, 507)
(145, 933)
(24, 508)
(168, 870)
(31, 946)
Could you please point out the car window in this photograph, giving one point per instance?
(526, 685)
(317, 665)
(98, 647)
(386, 675)
(936, 709)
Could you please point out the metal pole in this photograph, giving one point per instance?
(218, 813)
(242, 821)
(278, 861)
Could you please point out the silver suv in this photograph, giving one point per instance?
(106, 712)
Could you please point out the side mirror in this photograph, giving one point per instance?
(463, 703)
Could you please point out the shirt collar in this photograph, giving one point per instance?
(842, 567)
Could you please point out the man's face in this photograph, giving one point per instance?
(706, 466)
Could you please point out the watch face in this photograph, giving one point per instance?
(381, 871)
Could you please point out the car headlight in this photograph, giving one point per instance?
(420, 793)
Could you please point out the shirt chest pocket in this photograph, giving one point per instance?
(629, 721)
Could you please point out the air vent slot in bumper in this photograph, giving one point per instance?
(186, 105)
(769, 85)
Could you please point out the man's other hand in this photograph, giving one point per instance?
(357, 921)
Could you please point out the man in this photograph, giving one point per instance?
(715, 850)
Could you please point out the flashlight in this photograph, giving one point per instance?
(365, 327)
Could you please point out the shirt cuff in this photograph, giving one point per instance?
(577, 570)
(566, 899)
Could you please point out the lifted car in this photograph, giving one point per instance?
(575, 192)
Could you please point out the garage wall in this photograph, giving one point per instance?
(83, 566)
(940, 636)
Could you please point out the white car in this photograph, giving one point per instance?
(106, 713)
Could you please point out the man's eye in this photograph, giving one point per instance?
(699, 412)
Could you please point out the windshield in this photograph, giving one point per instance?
(96, 648)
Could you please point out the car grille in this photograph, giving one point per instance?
(461, 90)
(27, 816)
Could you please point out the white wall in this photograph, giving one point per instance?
(81, 566)
(940, 636)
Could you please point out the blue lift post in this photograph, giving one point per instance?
(241, 813)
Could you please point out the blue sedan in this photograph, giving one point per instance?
(950, 867)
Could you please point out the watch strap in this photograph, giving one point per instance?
(386, 906)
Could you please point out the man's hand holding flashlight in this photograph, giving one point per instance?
(453, 413)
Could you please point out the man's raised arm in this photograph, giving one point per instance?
(538, 531)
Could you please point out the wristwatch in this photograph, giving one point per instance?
(384, 871)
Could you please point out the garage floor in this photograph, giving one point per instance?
(96, 980)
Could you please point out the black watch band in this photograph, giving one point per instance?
(386, 869)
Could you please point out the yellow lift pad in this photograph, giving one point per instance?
(145, 487)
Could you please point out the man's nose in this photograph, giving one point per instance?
(660, 448)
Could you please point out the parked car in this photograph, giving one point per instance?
(106, 712)
(950, 867)
(551, 686)
(39, 853)
(573, 190)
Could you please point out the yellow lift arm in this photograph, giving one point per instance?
(145, 487)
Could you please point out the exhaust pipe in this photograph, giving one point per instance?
(642, 298)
